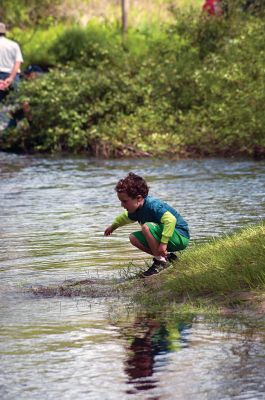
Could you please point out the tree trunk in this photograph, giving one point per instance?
(124, 15)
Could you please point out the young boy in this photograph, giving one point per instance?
(163, 230)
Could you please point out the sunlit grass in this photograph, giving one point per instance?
(139, 11)
(222, 267)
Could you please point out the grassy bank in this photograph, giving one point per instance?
(224, 275)
(226, 270)
(184, 88)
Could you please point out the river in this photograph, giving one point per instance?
(53, 215)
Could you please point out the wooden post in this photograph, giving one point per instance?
(124, 15)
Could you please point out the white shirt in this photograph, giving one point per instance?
(10, 53)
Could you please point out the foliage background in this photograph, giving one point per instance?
(192, 85)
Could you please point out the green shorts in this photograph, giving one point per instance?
(177, 241)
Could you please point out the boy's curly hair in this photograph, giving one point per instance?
(133, 185)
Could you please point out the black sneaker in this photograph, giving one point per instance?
(172, 257)
(155, 268)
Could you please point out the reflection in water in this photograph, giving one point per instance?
(151, 340)
(195, 359)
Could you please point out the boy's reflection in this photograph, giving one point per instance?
(150, 337)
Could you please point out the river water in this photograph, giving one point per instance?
(53, 214)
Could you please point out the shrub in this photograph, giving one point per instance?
(175, 94)
(89, 46)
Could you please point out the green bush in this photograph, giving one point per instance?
(36, 44)
(192, 88)
(23, 13)
(231, 118)
(88, 46)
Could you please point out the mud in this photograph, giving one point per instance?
(87, 287)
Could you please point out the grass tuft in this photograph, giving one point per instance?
(225, 266)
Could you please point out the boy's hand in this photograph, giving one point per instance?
(108, 231)
(162, 250)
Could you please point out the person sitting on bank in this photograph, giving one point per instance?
(10, 63)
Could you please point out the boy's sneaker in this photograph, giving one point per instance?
(172, 257)
(155, 268)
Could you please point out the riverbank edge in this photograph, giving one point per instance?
(129, 152)
(224, 276)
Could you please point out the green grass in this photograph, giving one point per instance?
(218, 269)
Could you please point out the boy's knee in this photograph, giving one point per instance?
(132, 239)
(145, 228)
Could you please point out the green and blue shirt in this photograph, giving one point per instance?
(157, 211)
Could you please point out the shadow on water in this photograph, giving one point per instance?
(150, 340)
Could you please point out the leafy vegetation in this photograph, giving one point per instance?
(24, 13)
(36, 13)
(188, 88)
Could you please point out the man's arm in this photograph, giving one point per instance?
(13, 73)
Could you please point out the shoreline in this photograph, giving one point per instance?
(204, 279)
(175, 156)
